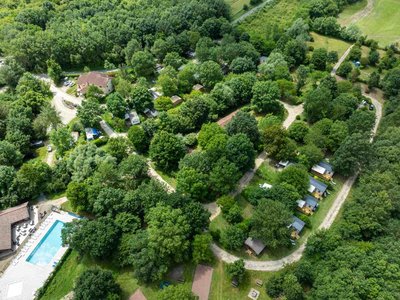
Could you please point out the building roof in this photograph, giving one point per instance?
(255, 244)
(322, 168)
(133, 117)
(138, 295)
(176, 99)
(326, 166)
(318, 169)
(301, 203)
(198, 87)
(298, 224)
(265, 186)
(93, 78)
(318, 185)
(7, 218)
(310, 201)
(225, 120)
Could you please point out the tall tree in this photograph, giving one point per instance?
(270, 224)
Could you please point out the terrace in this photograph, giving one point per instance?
(37, 259)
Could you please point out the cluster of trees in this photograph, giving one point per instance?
(225, 155)
(137, 222)
(323, 14)
(365, 237)
(273, 210)
(26, 114)
(113, 31)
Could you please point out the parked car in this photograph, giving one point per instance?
(49, 148)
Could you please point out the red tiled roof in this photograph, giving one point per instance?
(225, 120)
(93, 78)
(138, 295)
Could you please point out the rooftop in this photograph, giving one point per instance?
(9, 217)
(93, 78)
(255, 244)
(298, 224)
(318, 185)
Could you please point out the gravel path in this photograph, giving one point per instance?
(340, 61)
(362, 13)
(275, 265)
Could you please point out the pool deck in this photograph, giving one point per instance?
(21, 279)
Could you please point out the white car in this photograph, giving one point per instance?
(49, 148)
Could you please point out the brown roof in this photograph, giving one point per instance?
(93, 78)
(225, 120)
(138, 295)
(202, 281)
(7, 218)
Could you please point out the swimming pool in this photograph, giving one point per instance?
(48, 246)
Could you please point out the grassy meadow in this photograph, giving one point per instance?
(383, 24)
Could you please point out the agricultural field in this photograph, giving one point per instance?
(329, 43)
(280, 14)
(383, 23)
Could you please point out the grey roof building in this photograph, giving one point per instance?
(255, 244)
(297, 224)
(317, 185)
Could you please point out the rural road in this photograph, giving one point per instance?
(340, 61)
(276, 265)
(251, 11)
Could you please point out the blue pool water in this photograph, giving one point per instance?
(48, 246)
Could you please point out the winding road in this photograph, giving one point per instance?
(276, 265)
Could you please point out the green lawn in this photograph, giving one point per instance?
(74, 265)
(345, 17)
(329, 43)
(237, 7)
(280, 13)
(221, 288)
(383, 23)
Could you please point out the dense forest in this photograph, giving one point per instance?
(79, 33)
(133, 220)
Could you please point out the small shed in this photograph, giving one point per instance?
(297, 225)
(132, 118)
(156, 94)
(323, 170)
(91, 133)
(317, 188)
(198, 87)
(265, 186)
(255, 245)
(176, 100)
(150, 113)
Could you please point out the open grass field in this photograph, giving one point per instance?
(383, 24)
(329, 43)
(75, 265)
(221, 288)
(346, 16)
(237, 7)
(279, 13)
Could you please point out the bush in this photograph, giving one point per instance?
(100, 141)
(344, 69)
